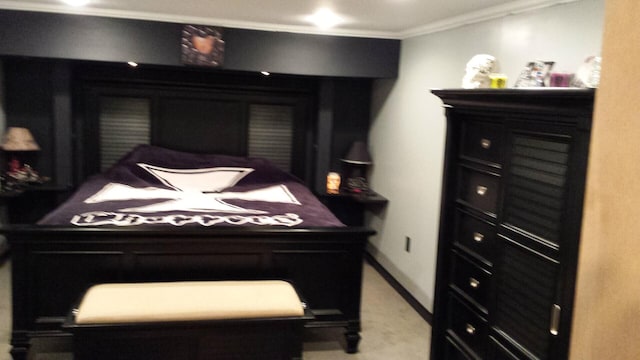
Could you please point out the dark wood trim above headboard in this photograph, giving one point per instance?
(81, 37)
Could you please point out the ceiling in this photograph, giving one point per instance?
(367, 18)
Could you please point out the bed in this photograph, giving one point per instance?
(165, 215)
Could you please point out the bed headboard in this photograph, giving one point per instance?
(206, 125)
(220, 118)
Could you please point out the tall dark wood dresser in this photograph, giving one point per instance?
(511, 213)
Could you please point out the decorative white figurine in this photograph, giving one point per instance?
(588, 75)
(478, 70)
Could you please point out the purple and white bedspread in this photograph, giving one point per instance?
(153, 185)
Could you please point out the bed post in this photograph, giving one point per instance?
(20, 339)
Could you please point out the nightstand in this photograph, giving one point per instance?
(5, 196)
(351, 207)
(31, 202)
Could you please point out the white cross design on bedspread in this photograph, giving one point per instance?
(191, 190)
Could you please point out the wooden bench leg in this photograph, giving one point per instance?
(20, 344)
(19, 353)
(353, 339)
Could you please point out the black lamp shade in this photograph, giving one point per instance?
(358, 154)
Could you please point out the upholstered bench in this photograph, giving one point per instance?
(189, 320)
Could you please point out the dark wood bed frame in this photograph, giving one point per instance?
(52, 266)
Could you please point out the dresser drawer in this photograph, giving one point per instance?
(471, 280)
(467, 326)
(475, 236)
(453, 351)
(482, 141)
(479, 189)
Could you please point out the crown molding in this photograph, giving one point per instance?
(510, 8)
(137, 15)
(491, 13)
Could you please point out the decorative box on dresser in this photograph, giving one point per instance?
(511, 213)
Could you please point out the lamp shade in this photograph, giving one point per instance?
(358, 154)
(19, 139)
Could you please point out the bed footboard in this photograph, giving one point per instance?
(52, 266)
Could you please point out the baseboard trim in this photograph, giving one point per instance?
(421, 310)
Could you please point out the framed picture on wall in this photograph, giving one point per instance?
(202, 45)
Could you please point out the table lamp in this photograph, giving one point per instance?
(16, 142)
(356, 162)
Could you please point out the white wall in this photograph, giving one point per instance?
(408, 124)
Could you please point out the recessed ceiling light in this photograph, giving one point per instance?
(132, 63)
(324, 18)
(265, 73)
(76, 2)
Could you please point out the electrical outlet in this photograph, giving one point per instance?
(407, 244)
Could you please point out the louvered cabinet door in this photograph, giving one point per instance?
(526, 294)
(528, 277)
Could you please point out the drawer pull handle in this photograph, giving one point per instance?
(485, 143)
(478, 237)
(474, 283)
(481, 190)
(471, 330)
(555, 319)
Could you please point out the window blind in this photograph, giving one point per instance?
(124, 123)
(271, 133)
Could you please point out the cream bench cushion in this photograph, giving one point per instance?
(185, 301)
